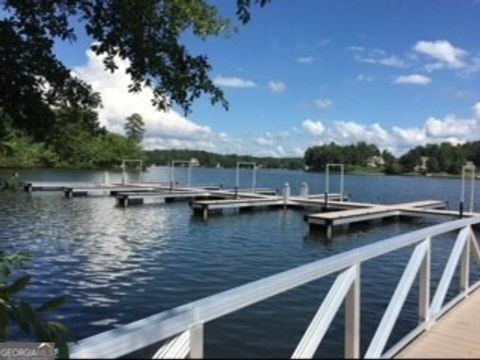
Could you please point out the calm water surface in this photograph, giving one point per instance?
(118, 265)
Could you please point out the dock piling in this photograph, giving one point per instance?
(286, 195)
(304, 189)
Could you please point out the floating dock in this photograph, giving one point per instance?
(204, 207)
(248, 200)
(422, 208)
(139, 198)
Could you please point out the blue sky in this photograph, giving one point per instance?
(307, 72)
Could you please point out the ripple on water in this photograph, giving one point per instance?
(118, 265)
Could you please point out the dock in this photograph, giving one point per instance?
(426, 209)
(249, 200)
(456, 335)
(127, 198)
(204, 207)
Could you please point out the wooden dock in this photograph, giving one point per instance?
(456, 335)
(249, 200)
(204, 207)
(139, 198)
(424, 208)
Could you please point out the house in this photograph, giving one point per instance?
(375, 161)
(422, 166)
(194, 162)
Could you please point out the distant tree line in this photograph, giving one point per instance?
(209, 159)
(443, 157)
(440, 158)
(317, 157)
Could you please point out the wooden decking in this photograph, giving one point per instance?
(456, 335)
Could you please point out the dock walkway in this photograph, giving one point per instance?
(425, 208)
(455, 335)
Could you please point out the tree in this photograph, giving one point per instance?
(432, 165)
(134, 128)
(148, 33)
(15, 312)
(393, 168)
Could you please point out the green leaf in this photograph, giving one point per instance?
(20, 284)
(52, 304)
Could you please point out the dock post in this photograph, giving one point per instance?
(286, 195)
(304, 189)
(329, 232)
(461, 210)
(205, 213)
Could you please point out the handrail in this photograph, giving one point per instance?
(142, 333)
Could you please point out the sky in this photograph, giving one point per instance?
(303, 73)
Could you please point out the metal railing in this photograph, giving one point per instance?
(183, 326)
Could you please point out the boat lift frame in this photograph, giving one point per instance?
(124, 168)
(172, 171)
(327, 178)
(254, 174)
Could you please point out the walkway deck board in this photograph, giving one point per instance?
(456, 335)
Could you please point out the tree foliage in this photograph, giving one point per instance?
(29, 319)
(209, 159)
(443, 157)
(317, 157)
(134, 128)
(148, 33)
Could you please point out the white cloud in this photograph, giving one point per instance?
(444, 52)
(476, 111)
(449, 127)
(298, 151)
(323, 104)
(264, 141)
(413, 79)
(277, 86)
(399, 139)
(351, 132)
(356, 48)
(234, 82)
(306, 60)
(162, 127)
(365, 78)
(313, 127)
(280, 150)
(409, 137)
(376, 56)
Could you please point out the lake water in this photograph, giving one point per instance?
(119, 265)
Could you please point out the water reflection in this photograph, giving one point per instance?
(118, 265)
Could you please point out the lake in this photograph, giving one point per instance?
(119, 265)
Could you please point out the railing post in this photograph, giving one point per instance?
(196, 338)
(352, 318)
(465, 267)
(424, 285)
